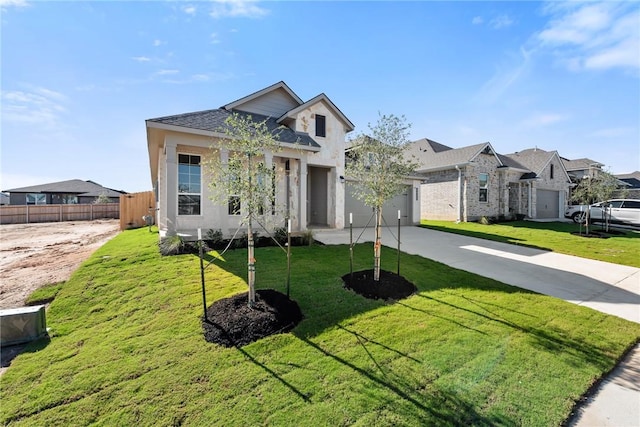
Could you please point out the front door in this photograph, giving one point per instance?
(318, 196)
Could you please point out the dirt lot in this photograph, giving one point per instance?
(34, 255)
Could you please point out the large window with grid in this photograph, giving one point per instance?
(189, 184)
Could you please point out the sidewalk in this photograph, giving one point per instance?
(609, 288)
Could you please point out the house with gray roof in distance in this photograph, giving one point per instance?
(581, 168)
(632, 181)
(467, 183)
(73, 191)
(310, 182)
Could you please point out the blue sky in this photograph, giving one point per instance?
(80, 78)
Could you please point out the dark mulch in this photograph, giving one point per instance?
(231, 323)
(390, 286)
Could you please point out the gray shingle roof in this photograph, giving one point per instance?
(72, 186)
(450, 157)
(509, 162)
(580, 164)
(214, 121)
(534, 159)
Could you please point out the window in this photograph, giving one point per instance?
(631, 204)
(484, 187)
(64, 199)
(551, 171)
(321, 125)
(36, 199)
(189, 184)
(234, 205)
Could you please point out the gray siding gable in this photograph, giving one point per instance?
(272, 101)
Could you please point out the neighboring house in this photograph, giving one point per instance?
(4, 199)
(465, 184)
(406, 201)
(310, 166)
(548, 184)
(74, 191)
(581, 168)
(632, 188)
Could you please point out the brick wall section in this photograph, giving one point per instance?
(438, 196)
(440, 191)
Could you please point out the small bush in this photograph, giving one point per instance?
(307, 238)
(171, 245)
(280, 234)
(484, 220)
(215, 239)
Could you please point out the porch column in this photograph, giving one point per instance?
(530, 208)
(519, 198)
(303, 202)
(171, 178)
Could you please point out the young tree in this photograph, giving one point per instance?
(244, 180)
(594, 189)
(102, 198)
(379, 165)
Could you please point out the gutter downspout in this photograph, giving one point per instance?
(459, 193)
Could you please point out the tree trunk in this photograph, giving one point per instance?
(377, 245)
(251, 276)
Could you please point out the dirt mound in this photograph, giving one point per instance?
(230, 322)
(389, 287)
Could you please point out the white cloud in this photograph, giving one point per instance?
(157, 43)
(189, 9)
(617, 132)
(141, 58)
(504, 78)
(477, 20)
(166, 72)
(502, 21)
(237, 9)
(594, 35)
(214, 38)
(37, 105)
(4, 4)
(543, 119)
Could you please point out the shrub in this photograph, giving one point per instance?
(171, 245)
(215, 239)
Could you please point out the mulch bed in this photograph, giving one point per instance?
(231, 323)
(390, 286)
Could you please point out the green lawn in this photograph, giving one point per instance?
(620, 248)
(127, 347)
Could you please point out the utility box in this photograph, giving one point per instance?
(21, 325)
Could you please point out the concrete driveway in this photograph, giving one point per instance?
(609, 288)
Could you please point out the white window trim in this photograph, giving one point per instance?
(178, 193)
(485, 187)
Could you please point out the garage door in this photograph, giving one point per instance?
(362, 213)
(547, 204)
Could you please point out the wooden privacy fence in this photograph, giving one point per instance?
(55, 213)
(134, 207)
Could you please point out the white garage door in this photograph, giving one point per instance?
(362, 213)
(547, 204)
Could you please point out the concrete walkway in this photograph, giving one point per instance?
(609, 288)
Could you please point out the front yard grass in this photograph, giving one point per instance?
(127, 347)
(620, 248)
